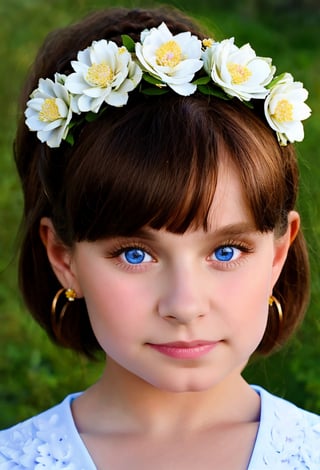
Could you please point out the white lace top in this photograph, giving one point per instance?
(288, 439)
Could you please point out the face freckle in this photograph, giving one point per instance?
(181, 312)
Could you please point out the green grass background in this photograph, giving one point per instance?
(35, 374)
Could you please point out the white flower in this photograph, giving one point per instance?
(171, 59)
(238, 71)
(104, 73)
(49, 110)
(284, 109)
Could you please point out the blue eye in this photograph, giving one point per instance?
(225, 253)
(136, 256)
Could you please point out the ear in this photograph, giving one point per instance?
(282, 245)
(59, 255)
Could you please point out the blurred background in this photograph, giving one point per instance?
(34, 374)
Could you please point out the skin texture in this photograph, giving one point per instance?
(182, 291)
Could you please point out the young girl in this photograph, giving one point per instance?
(160, 183)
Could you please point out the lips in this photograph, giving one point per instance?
(184, 350)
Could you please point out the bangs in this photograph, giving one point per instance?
(147, 169)
(155, 163)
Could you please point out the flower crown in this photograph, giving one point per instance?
(104, 74)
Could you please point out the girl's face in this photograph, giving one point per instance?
(182, 312)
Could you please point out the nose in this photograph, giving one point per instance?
(184, 296)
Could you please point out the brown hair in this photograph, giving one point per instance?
(155, 163)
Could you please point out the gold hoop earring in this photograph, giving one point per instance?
(56, 319)
(274, 301)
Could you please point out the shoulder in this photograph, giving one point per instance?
(288, 436)
(48, 440)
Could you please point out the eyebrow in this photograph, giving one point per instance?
(236, 229)
(225, 231)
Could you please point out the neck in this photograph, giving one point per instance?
(124, 401)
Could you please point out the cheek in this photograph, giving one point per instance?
(247, 298)
(116, 306)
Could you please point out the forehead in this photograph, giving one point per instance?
(230, 204)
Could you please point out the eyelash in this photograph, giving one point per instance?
(122, 248)
(244, 248)
(119, 250)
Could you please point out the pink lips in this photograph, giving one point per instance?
(184, 350)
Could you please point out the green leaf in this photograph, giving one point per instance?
(248, 104)
(128, 42)
(154, 81)
(154, 91)
(275, 80)
(202, 81)
(213, 91)
(71, 125)
(90, 116)
(70, 139)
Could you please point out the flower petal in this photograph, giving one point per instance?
(173, 59)
(284, 109)
(238, 71)
(102, 69)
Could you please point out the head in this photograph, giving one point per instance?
(153, 163)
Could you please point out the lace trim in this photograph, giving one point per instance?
(38, 444)
(292, 442)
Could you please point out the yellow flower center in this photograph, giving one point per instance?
(49, 111)
(208, 42)
(283, 111)
(169, 54)
(100, 75)
(239, 74)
